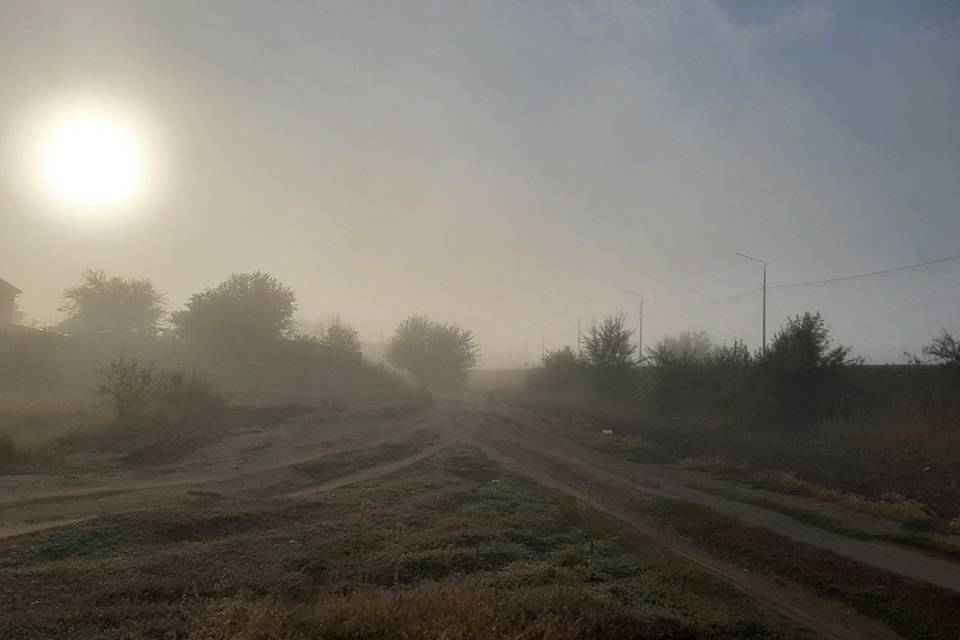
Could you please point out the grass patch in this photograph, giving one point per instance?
(93, 539)
(337, 465)
(914, 609)
(452, 547)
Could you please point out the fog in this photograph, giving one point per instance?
(512, 168)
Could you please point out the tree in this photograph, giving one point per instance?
(436, 355)
(339, 337)
(735, 356)
(609, 344)
(560, 370)
(609, 353)
(247, 308)
(943, 349)
(690, 347)
(803, 343)
(112, 304)
(804, 370)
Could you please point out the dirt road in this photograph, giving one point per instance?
(260, 463)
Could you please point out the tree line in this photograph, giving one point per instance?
(249, 310)
(802, 377)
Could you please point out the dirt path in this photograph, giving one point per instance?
(827, 618)
(260, 463)
(524, 429)
(247, 462)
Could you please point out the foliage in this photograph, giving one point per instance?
(682, 370)
(247, 308)
(610, 354)
(802, 371)
(141, 394)
(608, 345)
(123, 305)
(734, 355)
(804, 343)
(690, 347)
(340, 337)
(560, 370)
(944, 349)
(435, 354)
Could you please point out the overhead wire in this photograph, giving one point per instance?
(863, 275)
(805, 284)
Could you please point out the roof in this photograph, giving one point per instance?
(6, 287)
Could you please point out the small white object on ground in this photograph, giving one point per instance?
(607, 432)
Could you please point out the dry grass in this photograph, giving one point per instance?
(458, 609)
(936, 440)
(891, 506)
(32, 427)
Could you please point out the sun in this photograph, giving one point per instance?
(91, 160)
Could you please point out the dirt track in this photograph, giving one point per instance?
(260, 464)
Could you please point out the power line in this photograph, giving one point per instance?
(804, 284)
(864, 275)
(743, 294)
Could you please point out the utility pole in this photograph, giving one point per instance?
(543, 343)
(640, 329)
(763, 343)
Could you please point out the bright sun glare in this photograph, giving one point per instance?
(92, 161)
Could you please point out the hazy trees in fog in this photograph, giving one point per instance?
(101, 304)
(609, 353)
(560, 371)
(143, 395)
(247, 308)
(434, 354)
(689, 347)
(609, 344)
(338, 336)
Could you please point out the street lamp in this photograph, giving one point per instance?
(640, 330)
(764, 329)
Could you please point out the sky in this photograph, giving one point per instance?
(512, 166)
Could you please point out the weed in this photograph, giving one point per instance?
(891, 505)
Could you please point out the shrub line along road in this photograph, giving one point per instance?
(260, 463)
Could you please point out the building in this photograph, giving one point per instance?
(8, 301)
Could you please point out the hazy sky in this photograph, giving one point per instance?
(511, 166)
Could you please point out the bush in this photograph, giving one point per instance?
(560, 371)
(141, 394)
(803, 375)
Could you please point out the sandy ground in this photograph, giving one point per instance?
(259, 464)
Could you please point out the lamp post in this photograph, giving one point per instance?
(763, 343)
